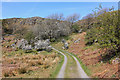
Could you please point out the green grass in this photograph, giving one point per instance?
(113, 76)
(55, 73)
(84, 67)
(64, 37)
(92, 47)
(46, 53)
(21, 52)
(87, 71)
(71, 63)
(60, 39)
(87, 47)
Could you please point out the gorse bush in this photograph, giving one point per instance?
(75, 28)
(105, 29)
(29, 36)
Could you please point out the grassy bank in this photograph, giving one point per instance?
(55, 73)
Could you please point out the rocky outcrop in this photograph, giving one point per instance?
(28, 47)
(65, 44)
(43, 45)
(80, 31)
(77, 41)
(23, 44)
(116, 61)
(39, 45)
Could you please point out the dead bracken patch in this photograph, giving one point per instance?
(17, 65)
(92, 58)
(22, 70)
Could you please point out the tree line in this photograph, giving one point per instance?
(52, 27)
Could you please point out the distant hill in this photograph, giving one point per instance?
(42, 27)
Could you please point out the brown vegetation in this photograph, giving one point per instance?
(27, 63)
(18, 63)
(91, 57)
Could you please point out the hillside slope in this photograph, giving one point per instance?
(41, 28)
(91, 57)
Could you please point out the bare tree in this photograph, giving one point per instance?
(51, 29)
(56, 16)
(72, 18)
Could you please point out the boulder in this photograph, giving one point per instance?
(13, 45)
(66, 45)
(63, 41)
(48, 48)
(80, 31)
(2, 38)
(116, 61)
(15, 41)
(28, 47)
(76, 41)
(47, 41)
(96, 40)
(38, 45)
(42, 45)
(22, 43)
(63, 47)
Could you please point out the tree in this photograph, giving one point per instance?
(56, 16)
(72, 18)
(51, 29)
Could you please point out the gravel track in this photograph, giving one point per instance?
(61, 73)
(62, 70)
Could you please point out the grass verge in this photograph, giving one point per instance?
(55, 73)
(84, 67)
(87, 71)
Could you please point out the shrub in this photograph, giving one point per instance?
(75, 28)
(32, 63)
(22, 70)
(105, 30)
(6, 74)
(29, 36)
(40, 62)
